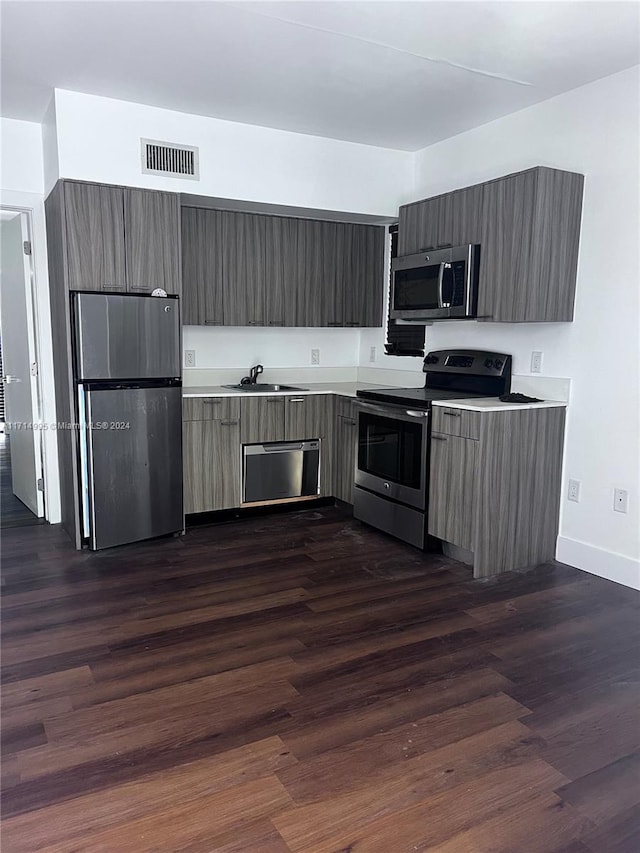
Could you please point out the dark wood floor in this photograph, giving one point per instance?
(303, 683)
(13, 513)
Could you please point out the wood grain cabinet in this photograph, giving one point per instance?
(119, 239)
(262, 419)
(452, 219)
(152, 240)
(528, 228)
(211, 454)
(497, 494)
(244, 269)
(312, 416)
(252, 270)
(202, 286)
(359, 275)
(345, 444)
(94, 220)
(529, 246)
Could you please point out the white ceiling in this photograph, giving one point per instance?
(395, 74)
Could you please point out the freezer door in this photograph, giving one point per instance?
(126, 337)
(134, 464)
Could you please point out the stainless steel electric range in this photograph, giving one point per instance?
(394, 433)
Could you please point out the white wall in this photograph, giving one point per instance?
(21, 188)
(592, 130)
(21, 156)
(99, 140)
(239, 348)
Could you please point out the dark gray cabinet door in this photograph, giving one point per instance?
(252, 270)
(211, 458)
(312, 416)
(152, 241)
(452, 489)
(554, 266)
(452, 219)
(530, 241)
(345, 440)
(362, 274)
(319, 294)
(262, 419)
(460, 217)
(95, 237)
(294, 274)
(202, 286)
(419, 226)
(508, 210)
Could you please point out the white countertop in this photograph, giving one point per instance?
(343, 389)
(493, 404)
(349, 389)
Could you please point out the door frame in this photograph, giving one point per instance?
(33, 296)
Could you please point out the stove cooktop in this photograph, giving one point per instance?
(420, 398)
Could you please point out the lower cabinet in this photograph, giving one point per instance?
(261, 419)
(311, 416)
(215, 428)
(211, 453)
(497, 493)
(212, 476)
(345, 442)
(452, 489)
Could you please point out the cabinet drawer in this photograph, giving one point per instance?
(210, 408)
(459, 422)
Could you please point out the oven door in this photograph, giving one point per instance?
(393, 444)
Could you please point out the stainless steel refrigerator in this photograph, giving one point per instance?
(129, 398)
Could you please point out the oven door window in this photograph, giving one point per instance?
(391, 449)
(420, 289)
(416, 288)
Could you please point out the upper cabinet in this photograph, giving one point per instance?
(152, 240)
(252, 270)
(360, 274)
(452, 219)
(202, 267)
(95, 237)
(528, 228)
(120, 240)
(529, 246)
(244, 269)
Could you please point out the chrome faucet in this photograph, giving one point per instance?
(252, 378)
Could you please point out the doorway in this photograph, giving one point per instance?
(22, 499)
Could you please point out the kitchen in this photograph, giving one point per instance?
(376, 183)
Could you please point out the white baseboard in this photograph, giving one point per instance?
(597, 561)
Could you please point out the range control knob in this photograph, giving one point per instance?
(498, 364)
(488, 363)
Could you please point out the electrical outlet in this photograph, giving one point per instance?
(573, 493)
(536, 362)
(620, 500)
(372, 353)
(315, 356)
(189, 358)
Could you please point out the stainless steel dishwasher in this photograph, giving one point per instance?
(279, 471)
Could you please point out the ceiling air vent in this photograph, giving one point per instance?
(166, 158)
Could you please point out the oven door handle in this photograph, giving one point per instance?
(440, 284)
(390, 411)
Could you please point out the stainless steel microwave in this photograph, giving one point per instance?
(435, 285)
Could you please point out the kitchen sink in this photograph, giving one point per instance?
(263, 386)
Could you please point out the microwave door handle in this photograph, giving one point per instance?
(440, 284)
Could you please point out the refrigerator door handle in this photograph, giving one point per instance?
(85, 455)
